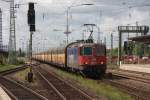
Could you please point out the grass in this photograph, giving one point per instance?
(22, 75)
(7, 67)
(4, 67)
(100, 88)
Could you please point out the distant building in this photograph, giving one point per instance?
(3, 48)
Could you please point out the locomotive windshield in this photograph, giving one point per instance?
(100, 51)
(86, 51)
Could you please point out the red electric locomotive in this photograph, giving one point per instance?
(87, 57)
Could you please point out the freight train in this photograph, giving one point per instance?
(85, 57)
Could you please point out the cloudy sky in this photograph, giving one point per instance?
(51, 15)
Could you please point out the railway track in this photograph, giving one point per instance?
(130, 86)
(135, 72)
(63, 89)
(120, 81)
(46, 89)
(142, 77)
(19, 92)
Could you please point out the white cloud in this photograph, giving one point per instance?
(41, 1)
(50, 14)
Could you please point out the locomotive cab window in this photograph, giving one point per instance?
(86, 51)
(100, 51)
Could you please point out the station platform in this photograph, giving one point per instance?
(136, 67)
(4, 95)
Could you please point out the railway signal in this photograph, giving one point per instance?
(31, 23)
(31, 17)
(126, 47)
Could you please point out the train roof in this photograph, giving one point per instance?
(86, 44)
(57, 49)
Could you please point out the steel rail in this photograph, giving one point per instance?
(140, 79)
(133, 91)
(19, 86)
(126, 89)
(127, 74)
(51, 85)
(79, 90)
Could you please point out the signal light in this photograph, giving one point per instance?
(32, 28)
(31, 14)
(126, 47)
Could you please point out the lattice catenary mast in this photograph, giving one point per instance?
(12, 37)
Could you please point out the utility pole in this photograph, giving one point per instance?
(98, 40)
(1, 29)
(12, 37)
(111, 46)
(30, 46)
(120, 48)
(67, 32)
(27, 50)
(84, 31)
(137, 26)
(105, 41)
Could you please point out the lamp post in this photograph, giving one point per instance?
(67, 32)
(37, 50)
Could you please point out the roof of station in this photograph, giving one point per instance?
(142, 39)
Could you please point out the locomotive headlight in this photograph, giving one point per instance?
(86, 62)
(102, 62)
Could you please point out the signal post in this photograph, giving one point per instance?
(31, 23)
